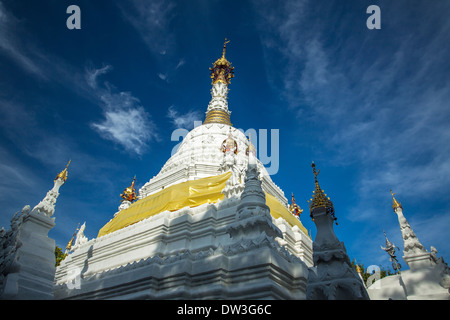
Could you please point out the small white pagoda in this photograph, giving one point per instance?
(428, 277)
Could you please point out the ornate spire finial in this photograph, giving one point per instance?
(222, 71)
(358, 268)
(70, 243)
(229, 144)
(225, 47)
(313, 165)
(129, 194)
(319, 199)
(395, 203)
(221, 74)
(390, 250)
(63, 174)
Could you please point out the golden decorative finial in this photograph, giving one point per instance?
(222, 71)
(225, 47)
(395, 203)
(358, 268)
(229, 144)
(313, 165)
(130, 194)
(63, 174)
(69, 245)
(319, 199)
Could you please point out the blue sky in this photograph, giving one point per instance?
(370, 107)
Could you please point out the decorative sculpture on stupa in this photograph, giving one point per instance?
(295, 208)
(230, 150)
(390, 250)
(229, 145)
(129, 194)
(221, 74)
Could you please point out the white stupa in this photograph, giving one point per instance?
(210, 224)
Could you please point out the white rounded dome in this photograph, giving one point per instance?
(200, 155)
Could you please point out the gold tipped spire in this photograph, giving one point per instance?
(229, 144)
(63, 174)
(222, 71)
(319, 199)
(130, 194)
(70, 244)
(395, 203)
(221, 74)
(358, 268)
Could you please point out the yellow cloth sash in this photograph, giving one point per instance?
(187, 194)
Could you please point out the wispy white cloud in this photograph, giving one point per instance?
(11, 45)
(18, 44)
(152, 20)
(184, 121)
(382, 106)
(368, 112)
(180, 63)
(126, 121)
(171, 70)
(131, 128)
(162, 76)
(93, 74)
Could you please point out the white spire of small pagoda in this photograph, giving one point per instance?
(414, 252)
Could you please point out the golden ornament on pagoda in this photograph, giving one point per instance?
(320, 199)
(129, 194)
(395, 203)
(251, 148)
(295, 208)
(222, 71)
(63, 174)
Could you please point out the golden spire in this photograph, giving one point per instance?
(63, 174)
(358, 268)
(222, 71)
(319, 199)
(70, 244)
(130, 193)
(395, 203)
